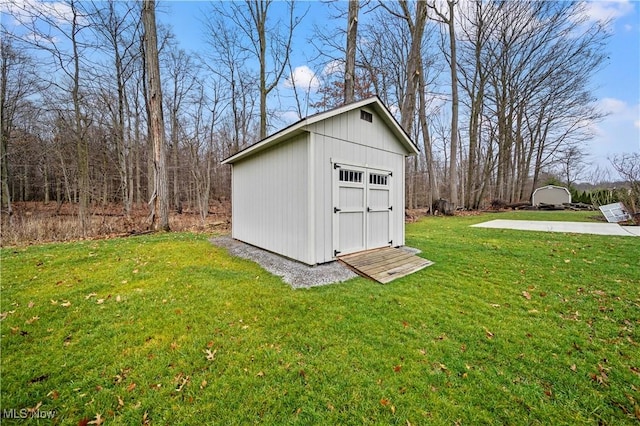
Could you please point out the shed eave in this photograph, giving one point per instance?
(284, 134)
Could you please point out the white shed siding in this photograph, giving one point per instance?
(350, 127)
(551, 194)
(328, 148)
(270, 199)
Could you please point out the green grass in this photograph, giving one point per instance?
(507, 327)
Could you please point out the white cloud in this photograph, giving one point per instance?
(617, 133)
(334, 67)
(604, 10)
(303, 78)
(24, 11)
(613, 106)
(289, 117)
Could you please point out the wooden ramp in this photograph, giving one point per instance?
(385, 264)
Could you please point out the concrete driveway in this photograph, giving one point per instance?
(571, 227)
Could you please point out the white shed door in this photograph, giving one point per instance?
(362, 212)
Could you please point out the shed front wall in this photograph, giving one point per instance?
(346, 139)
(270, 207)
(550, 196)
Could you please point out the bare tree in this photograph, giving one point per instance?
(628, 167)
(182, 71)
(160, 198)
(573, 164)
(267, 41)
(449, 21)
(226, 60)
(18, 81)
(118, 29)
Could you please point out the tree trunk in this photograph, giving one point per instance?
(413, 63)
(159, 200)
(350, 67)
(82, 145)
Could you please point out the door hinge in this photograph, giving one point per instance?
(390, 173)
(336, 165)
(391, 208)
(336, 252)
(391, 242)
(336, 210)
(368, 209)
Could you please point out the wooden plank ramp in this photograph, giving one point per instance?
(384, 264)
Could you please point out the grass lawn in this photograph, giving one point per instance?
(508, 327)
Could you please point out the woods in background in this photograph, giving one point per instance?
(496, 94)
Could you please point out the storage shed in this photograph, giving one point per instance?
(328, 185)
(551, 194)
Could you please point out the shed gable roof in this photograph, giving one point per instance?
(556, 187)
(300, 127)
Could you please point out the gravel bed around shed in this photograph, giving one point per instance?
(296, 274)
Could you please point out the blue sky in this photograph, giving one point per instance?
(617, 86)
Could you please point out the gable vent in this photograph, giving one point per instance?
(366, 116)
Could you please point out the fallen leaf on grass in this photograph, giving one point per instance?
(573, 367)
(31, 304)
(32, 320)
(89, 296)
(98, 420)
(65, 304)
(203, 384)
(210, 355)
(120, 402)
(260, 374)
(182, 381)
(99, 301)
(131, 387)
(489, 334)
(602, 378)
(526, 295)
(384, 402)
(397, 368)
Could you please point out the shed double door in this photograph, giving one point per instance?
(362, 210)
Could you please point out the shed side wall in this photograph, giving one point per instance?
(551, 196)
(270, 200)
